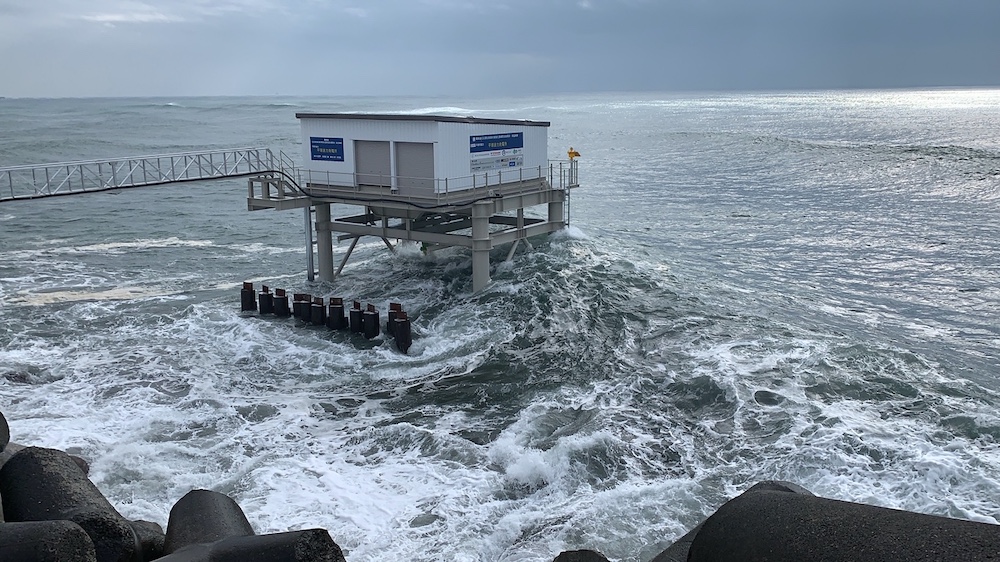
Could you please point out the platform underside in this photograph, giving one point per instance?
(479, 219)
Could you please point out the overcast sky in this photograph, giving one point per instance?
(57, 48)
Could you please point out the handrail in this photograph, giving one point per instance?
(63, 178)
(139, 157)
(561, 174)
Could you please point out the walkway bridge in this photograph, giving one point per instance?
(68, 178)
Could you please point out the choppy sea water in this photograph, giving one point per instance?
(798, 286)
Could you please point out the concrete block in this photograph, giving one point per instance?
(39, 484)
(9, 451)
(82, 463)
(678, 552)
(580, 556)
(311, 545)
(4, 432)
(151, 539)
(790, 527)
(204, 516)
(45, 541)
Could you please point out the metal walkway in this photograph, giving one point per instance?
(67, 178)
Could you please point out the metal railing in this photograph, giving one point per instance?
(558, 175)
(46, 180)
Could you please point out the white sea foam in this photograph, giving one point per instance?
(65, 247)
(571, 233)
(171, 242)
(442, 110)
(117, 293)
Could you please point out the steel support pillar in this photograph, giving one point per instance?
(307, 219)
(556, 213)
(481, 245)
(324, 242)
(513, 248)
(347, 256)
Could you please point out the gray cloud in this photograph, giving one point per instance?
(234, 47)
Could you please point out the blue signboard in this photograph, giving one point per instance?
(501, 141)
(323, 148)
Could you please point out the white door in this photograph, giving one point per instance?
(371, 162)
(415, 168)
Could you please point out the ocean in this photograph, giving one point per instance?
(801, 286)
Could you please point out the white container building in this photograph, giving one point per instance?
(421, 154)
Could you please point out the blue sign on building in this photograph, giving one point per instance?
(501, 141)
(323, 148)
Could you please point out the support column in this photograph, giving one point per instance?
(556, 213)
(307, 219)
(481, 245)
(347, 256)
(324, 242)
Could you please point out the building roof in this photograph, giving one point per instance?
(438, 118)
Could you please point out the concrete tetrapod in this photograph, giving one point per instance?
(204, 516)
(39, 484)
(151, 538)
(310, 545)
(580, 556)
(779, 526)
(678, 551)
(207, 526)
(4, 432)
(45, 541)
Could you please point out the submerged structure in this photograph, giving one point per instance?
(437, 180)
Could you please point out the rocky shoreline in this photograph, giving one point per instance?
(52, 512)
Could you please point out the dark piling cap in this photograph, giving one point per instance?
(248, 285)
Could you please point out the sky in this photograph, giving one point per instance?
(85, 48)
